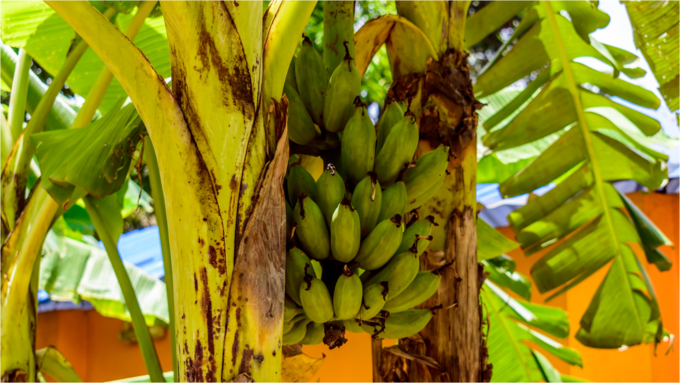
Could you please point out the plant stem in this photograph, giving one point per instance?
(146, 344)
(17, 99)
(101, 84)
(162, 221)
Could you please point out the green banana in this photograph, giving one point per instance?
(418, 201)
(347, 295)
(358, 144)
(397, 150)
(400, 325)
(311, 228)
(391, 116)
(332, 191)
(375, 297)
(301, 129)
(296, 263)
(345, 232)
(290, 76)
(314, 335)
(420, 290)
(393, 201)
(287, 326)
(311, 79)
(343, 87)
(367, 199)
(299, 181)
(400, 271)
(290, 309)
(427, 171)
(297, 333)
(352, 325)
(289, 221)
(420, 233)
(316, 300)
(381, 244)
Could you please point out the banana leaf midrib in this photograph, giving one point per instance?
(509, 333)
(573, 89)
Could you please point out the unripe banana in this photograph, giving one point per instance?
(332, 191)
(420, 233)
(314, 335)
(375, 297)
(296, 334)
(358, 145)
(301, 129)
(343, 87)
(287, 326)
(311, 228)
(398, 150)
(290, 76)
(289, 221)
(299, 181)
(345, 232)
(367, 199)
(381, 244)
(393, 201)
(420, 290)
(316, 300)
(427, 171)
(347, 295)
(312, 80)
(399, 273)
(401, 325)
(352, 325)
(414, 203)
(391, 116)
(296, 264)
(290, 309)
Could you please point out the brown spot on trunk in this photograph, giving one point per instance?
(247, 356)
(206, 306)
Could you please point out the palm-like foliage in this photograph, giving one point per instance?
(655, 26)
(582, 223)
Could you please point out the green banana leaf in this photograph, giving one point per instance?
(583, 220)
(73, 271)
(34, 26)
(513, 359)
(61, 115)
(655, 30)
(491, 243)
(95, 158)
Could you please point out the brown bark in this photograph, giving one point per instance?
(454, 337)
(376, 353)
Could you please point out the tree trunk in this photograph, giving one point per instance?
(454, 337)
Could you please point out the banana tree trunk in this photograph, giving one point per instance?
(221, 172)
(454, 337)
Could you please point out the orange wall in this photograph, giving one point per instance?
(90, 341)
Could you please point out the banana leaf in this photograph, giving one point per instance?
(74, 271)
(582, 222)
(37, 28)
(655, 30)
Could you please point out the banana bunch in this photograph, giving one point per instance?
(354, 235)
(319, 107)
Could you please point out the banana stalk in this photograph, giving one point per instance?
(162, 221)
(338, 27)
(141, 330)
(17, 99)
(215, 102)
(41, 209)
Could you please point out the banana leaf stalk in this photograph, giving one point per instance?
(141, 330)
(162, 221)
(17, 99)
